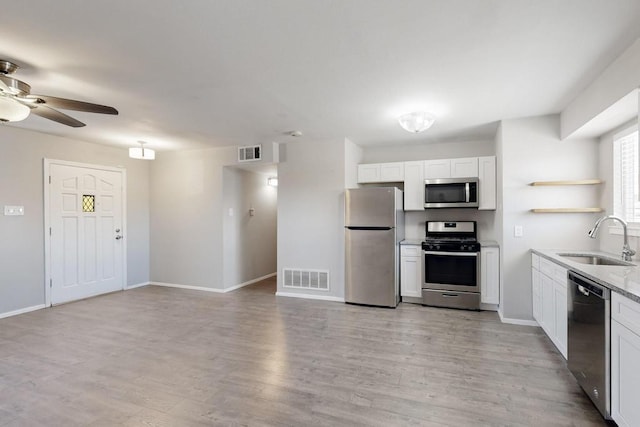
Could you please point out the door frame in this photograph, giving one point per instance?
(46, 180)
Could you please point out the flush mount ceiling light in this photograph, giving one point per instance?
(416, 121)
(141, 152)
(12, 111)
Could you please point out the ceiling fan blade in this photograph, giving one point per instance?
(70, 104)
(55, 115)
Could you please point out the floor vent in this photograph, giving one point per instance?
(306, 279)
(250, 153)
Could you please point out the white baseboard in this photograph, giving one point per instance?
(517, 321)
(250, 282)
(193, 288)
(309, 296)
(205, 289)
(137, 285)
(22, 311)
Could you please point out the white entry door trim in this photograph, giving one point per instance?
(48, 163)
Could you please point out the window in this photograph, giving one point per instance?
(626, 191)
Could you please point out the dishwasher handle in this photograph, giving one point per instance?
(586, 285)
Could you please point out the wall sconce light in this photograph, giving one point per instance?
(417, 121)
(141, 152)
(272, 181)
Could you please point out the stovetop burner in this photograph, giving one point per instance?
(451, 236)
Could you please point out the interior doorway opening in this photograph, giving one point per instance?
(250, 200)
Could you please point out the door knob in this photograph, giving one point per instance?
(117, 230)
(118, 237)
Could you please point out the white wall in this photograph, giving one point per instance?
(21, 183)
(428, 151)
(531, 150)
(249, 242)
(186, 222)
(311, 186)
(620, 78)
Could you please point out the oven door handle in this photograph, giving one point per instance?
(475, 254)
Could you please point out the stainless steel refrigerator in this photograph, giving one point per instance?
(374, 227)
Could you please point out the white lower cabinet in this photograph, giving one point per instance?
(549, 292)
(490, 275)
(411, 271)
(537, 295)
(625, 357)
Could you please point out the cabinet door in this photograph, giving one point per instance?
(413, 186)
(490, 275)
(625, 376)
(560, 323)
(410, 276)
(548, 306)
(464, 167)
(487, 199)
(392, 172)
(437, 168)
(537, 295)
(369, 173)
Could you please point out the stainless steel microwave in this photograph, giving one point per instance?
(451, 193)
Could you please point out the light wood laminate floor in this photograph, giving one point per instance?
(157, 356)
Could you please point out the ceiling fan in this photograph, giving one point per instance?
(16, 101)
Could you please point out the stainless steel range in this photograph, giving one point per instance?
(451, 272)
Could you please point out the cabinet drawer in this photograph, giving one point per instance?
(554, 271)
(410, 250)
(625, 311)
(535, 261)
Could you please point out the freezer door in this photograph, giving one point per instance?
(371, 267)
(370, 207)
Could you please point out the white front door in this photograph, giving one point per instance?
(86, 231)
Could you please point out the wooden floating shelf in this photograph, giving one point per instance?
(567, 210)
(572, 182)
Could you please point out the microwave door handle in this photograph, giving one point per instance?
(467, 192)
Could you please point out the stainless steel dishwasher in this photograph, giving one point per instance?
(589, 307)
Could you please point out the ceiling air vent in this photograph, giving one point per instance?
(250, 153)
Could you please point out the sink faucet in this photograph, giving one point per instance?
(627, 252)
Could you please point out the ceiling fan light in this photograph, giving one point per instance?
(142, 153)
(12, 111)
(416, 121)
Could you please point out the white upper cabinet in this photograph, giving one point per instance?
(413, 186)
(464, 168)
(381, 172)
(392, 172)
(451, 168)
(487, 199)
(437, 168)
(369, 173)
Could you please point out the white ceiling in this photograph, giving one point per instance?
(188, 74)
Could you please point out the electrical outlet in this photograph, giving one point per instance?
(13, 210)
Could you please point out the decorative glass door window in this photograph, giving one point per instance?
(88, 203)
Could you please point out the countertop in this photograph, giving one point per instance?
(416, 242)
(622, 279)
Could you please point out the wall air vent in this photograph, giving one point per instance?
(250, 153)
(306, 279)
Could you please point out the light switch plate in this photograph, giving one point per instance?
(518, 231)
(13, 210)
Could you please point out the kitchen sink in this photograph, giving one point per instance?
(595, 260)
